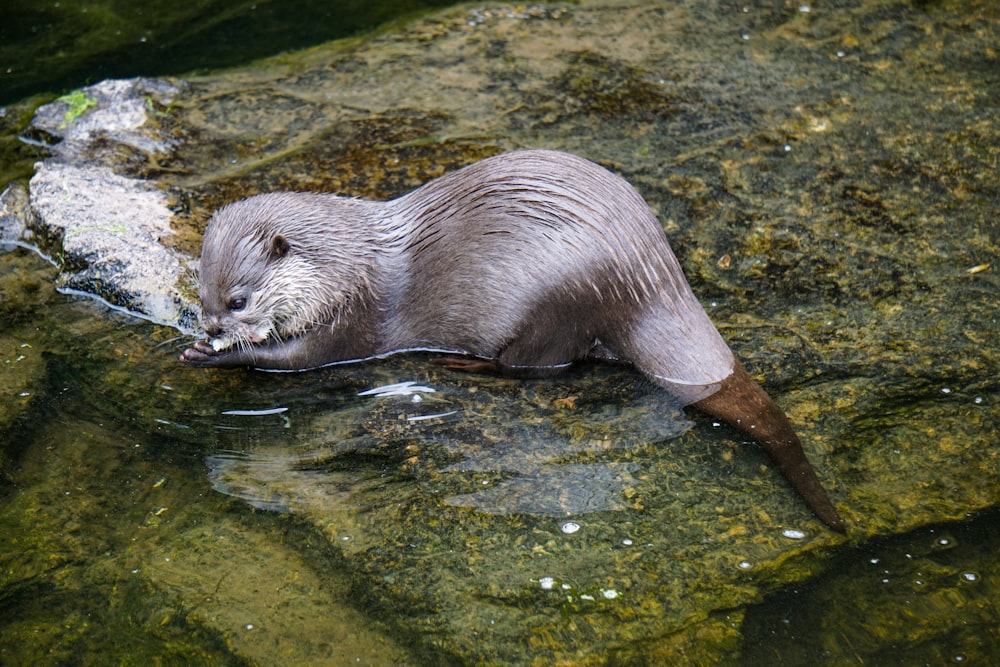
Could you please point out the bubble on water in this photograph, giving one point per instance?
(793, 534)
(570, 527)
(944, 542)
(744, 565)
(970, 576)
(547, 583)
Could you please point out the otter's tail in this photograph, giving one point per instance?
(742, 403)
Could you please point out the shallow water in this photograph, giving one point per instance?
(130, 469)
(156, 512)
(56, 46)
(926, 598)
(153, 512)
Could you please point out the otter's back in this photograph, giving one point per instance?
(551, 250)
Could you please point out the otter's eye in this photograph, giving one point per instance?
(237, 303)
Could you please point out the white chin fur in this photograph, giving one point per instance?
(261, 334)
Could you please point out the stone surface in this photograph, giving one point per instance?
(108, 230)
(25, 292)
(827, 179)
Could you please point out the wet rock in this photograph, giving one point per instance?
(88, 125)
(25, 289)
(14, 215)
(827, 178)
(109, 229)
(105, 228)
(937, 602)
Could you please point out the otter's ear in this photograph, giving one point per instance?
(279, 247)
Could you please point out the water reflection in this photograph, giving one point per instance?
(498, 454)
(905, 600)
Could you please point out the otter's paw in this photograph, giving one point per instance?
(199, 354)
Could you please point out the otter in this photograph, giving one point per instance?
(523, 263)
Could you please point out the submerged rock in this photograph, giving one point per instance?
(827, 179)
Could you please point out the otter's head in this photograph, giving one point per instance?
(275, 265)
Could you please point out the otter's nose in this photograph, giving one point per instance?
(213, 330)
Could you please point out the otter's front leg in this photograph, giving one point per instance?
(293, 354)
